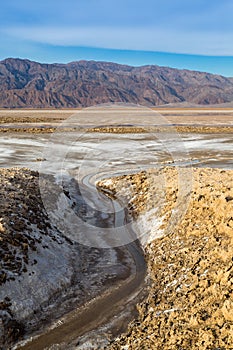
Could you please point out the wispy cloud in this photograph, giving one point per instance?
(62, 31)
(134, 38)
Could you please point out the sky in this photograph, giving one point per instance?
(192, 34)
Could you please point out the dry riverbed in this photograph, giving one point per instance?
(43, 274)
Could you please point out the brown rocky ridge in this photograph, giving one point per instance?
(28, 84)
(190, 264)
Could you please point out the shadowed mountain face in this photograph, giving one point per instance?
(24, 83)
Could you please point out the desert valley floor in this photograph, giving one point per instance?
(168, 183)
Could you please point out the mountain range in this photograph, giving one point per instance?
(28, 84)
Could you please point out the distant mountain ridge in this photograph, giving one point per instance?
(28, 84)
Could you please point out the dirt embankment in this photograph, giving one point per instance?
(43, 274)
(190, 298)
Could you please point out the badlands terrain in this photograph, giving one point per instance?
(190, 264)
(182, 215)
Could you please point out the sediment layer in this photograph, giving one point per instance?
(200, 129)
(183, 129)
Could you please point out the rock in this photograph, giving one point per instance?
(190, 298)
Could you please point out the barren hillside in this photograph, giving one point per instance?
(24, 83)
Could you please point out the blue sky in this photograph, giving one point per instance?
(193, 34)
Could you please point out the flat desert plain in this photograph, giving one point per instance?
(42, 120)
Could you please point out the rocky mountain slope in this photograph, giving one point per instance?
(24, 83)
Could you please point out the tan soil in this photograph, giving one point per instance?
(204, 116)
(181, 129)
(27, 130)
(205, 129)
(123, 130)
(190, 302)
(35, 130)
(25, 119)
(118, 130)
